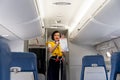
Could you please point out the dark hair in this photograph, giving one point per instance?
(54, 33)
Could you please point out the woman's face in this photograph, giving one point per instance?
(57, 36)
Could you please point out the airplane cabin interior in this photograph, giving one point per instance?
(90, 41)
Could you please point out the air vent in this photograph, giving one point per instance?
(62, 3)
(57, 26)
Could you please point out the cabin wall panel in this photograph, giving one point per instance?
(111, 46)
(75, 57)
(117, 41)
(16, 45)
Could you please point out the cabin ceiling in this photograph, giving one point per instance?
(20, 19)
(60, 12)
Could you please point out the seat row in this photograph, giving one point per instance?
(93, 66)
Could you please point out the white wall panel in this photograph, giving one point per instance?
(16, 45)
(75, 57)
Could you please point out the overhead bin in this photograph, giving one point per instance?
(110, 14)
(23, 20)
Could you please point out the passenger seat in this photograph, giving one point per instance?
(23, 66)
(5, 59)
(93, 68)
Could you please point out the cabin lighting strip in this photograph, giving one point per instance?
(39, 7)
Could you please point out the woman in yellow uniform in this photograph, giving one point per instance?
(56, 60)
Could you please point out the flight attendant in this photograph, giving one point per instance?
(55, 68)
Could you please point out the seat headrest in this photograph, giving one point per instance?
(115, 60)
(5, 59)
(4, 46)
(92, 60)
(4, 49)
(25, 60)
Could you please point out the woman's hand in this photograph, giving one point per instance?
(53, 48)
(57, 42)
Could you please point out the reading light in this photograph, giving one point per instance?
(4, 35)
(108, 54)
(87, 10)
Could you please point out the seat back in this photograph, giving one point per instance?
(93, 68)
(115, 65)
(5, 58)
(23, 66)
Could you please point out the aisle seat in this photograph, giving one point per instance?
(5, 59)
(93, 68)
(23, 66)
(115, 65)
